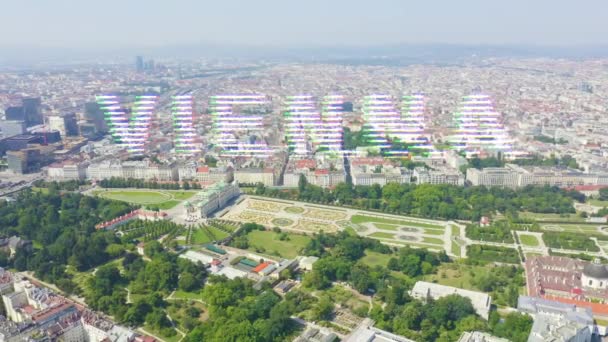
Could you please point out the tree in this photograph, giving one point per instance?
(187, 282)
(157, 319)
(604, 194)
(152, 248)
(323, 310)
(302, 182)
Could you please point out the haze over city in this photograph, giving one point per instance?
(113, 23)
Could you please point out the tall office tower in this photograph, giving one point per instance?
(149, 65)
(130, 131)
(11, 128)
(93, 114)
(15, 113)
(480, 127)
(238, 124)
(183, 123)
(66, 124)
(139, 63)
(70, 123)
(32, 111)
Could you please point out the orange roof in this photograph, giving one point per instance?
(203, 169)
(260, 267)
(305, 163)
(369, 161)
(322, 172)
(597, 308)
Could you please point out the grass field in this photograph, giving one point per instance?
(137, 197)
(161, 199)
(382, 235)
(41, 190)
(551, 217)
(375, 220)
(597, 202)
(455, 232)
(528, 240)
(432, 231)
(174, 338)
(456, 274)
(455, 248)
(207, 234)
(573, 228)
(164, 206)
(179, 294)
(182, 195)
(372, 258)
(199, 236)
(431, 240)
(294, 210)
(411, 244)
(271, 243)
(386, 226)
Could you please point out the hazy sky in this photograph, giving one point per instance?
(305, 22)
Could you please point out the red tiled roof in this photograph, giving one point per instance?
(305, 163)
(597, 308)
(370, 161)
(203, 169)
(41, 316)
(260, 267)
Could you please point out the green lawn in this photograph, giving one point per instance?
(161, 199)
(174, 338)
(456, 275)
(455, 231)
(182, 195)
(372, 258)
(207, 234)
(218, 233)
(455, 248)
(431, 240)
(432, 231)
(386, 226)
(179, 294)
(382, 235)
(270, 242)
(199, 236)
(364, 218)
(294, 210)
(528, 240)
(136, 197)
(551, 217)
(597, 202)
(573, 228)
(41, 190)
(165, 205)
(411, 244)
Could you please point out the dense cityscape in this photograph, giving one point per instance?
(481, 185)
(313, 173)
